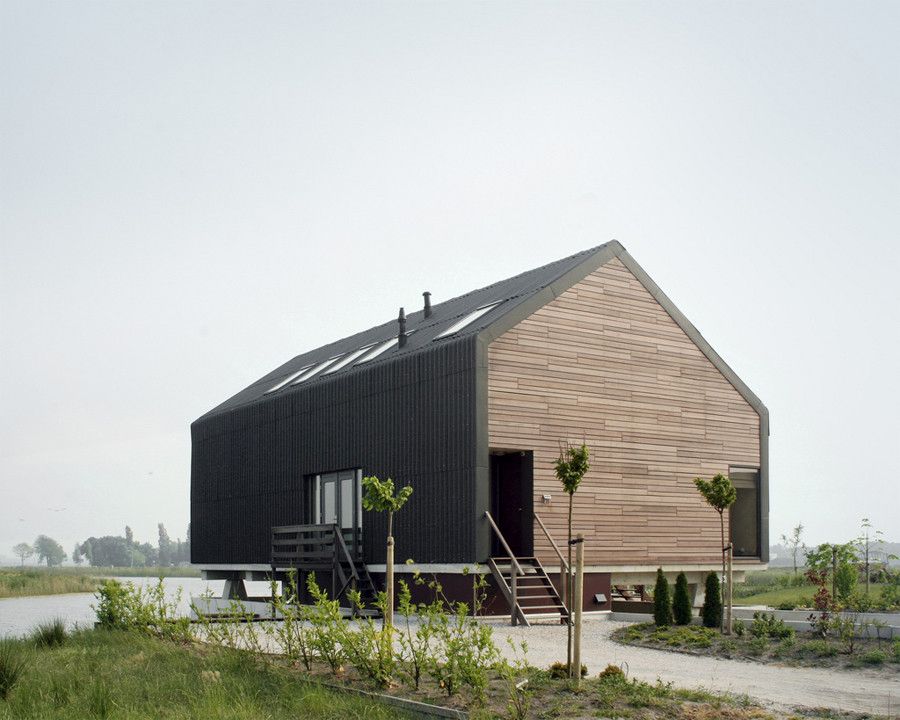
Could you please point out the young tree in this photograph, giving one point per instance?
(681, 601)
(662, 603)
(836, 561)
(571, 466)
(23, 551)
(49, 550)
(129, 541)
(379, 496)
(720, 494)
(793, 543)
(871, 545)
(712, 603)
(165, 547)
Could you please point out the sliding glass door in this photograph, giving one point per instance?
(340, 503)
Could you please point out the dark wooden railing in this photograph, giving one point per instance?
(317, 547)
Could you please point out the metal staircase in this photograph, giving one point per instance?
(525, 585)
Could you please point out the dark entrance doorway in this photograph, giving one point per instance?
(512, 501)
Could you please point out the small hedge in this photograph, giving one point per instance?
(681, 602)
(712, 604)
(662, 604)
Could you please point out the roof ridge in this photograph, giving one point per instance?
(421, 326)
(590, 251)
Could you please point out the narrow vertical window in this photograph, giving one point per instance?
(744, 517)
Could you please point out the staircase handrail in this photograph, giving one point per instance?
(552, 541)
(509, 552)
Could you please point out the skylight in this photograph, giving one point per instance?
(290, 377)
(314, 370)
(347, 359)
(378, 350)
(467, 320)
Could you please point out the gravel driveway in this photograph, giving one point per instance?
(783, 686)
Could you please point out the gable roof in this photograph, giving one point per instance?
(510, 301)
(423, 333)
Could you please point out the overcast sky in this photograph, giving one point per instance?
(193, 192)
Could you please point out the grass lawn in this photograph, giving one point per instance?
(112, 674)
(779, 586)
(21, 582)
(116, 674)
(796, 649)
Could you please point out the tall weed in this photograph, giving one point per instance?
(12, 666)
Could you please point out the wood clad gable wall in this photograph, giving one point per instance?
(604, 362)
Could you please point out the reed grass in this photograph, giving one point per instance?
(50, 634)
(22, 583)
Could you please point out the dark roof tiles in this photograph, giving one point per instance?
(422, 332)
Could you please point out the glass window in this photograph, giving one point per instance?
(347, 360)
(347, 498)
(289, 378)
(744, 514)
(329, 499)
(315, 370)
(467, 320)
(379, 349)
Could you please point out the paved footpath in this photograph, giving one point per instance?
(863, 691)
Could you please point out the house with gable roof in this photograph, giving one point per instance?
(469, 401)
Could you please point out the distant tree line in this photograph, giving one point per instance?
(112, 550)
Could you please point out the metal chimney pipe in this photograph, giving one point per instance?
(427, 296)
(401, 335)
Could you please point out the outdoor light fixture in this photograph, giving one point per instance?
(546, 499)
(599, 599)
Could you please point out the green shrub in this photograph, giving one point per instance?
(293, 633)
(785, 646)
(681, 601)
(662, 604)
(329, 627)
(787, 605)
(369, 649)
(770, 626)
(50, 634)
(896, 651)
(463, 650)
(874, 657)
(712, 603)
(612, 673)
(415, 640)
(758, 645)
(560, 671)
(12, 666)
(128, 607)
(845, 579)
(738, 627)
(728, 647)
(820, 648)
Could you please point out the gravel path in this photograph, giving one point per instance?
(782, 686)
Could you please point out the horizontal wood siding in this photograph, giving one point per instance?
(412, 419)
(604, 362)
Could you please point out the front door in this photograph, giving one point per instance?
(340, 504)
(512, 504)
